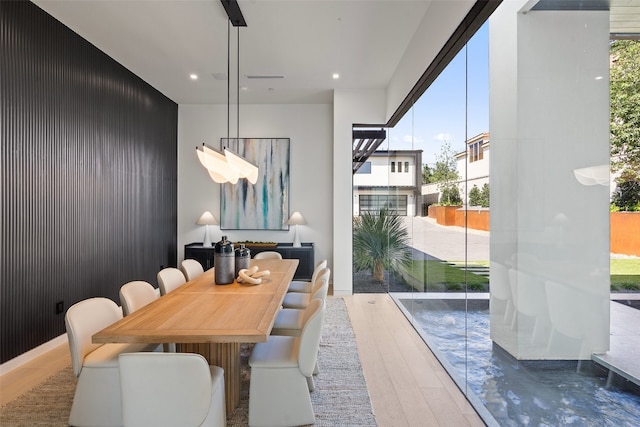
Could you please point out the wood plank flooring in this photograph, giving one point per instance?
(408, 386)
(27, 376)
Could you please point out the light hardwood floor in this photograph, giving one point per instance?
(19, 380)
(408, 386)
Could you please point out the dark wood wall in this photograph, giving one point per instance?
(88, 176)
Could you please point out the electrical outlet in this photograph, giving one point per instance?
(59, 307)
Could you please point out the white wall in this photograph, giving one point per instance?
(349, 107)
(381, 175)
(310, 130)
(474, 173)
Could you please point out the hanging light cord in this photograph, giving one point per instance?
(238, 87)
(228, 76)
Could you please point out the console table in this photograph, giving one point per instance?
(305, 255)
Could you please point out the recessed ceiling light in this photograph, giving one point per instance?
(335, 76)
(193, 76)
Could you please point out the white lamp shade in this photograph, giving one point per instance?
(593, 175)
(244, 168)
(216, 163)
(296, 218)
(207, 218)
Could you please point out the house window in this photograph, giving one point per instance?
(365, 168)
(372, 203)
(406, 166)
(475, 151)
(399, 166)
(393, 166)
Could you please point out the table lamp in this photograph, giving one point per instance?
(207, 219)
(296, 219)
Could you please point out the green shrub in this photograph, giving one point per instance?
(453, 286)
(479, 197)
(380, 242)
(484, 196)
(450, 196)
(626, 196)
(474, 196)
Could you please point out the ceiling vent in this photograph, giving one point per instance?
(264, 76)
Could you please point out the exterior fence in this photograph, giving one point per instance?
(624, 226)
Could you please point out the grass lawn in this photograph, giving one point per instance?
(625, 274)
(438, 276)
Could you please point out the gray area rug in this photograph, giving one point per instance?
(341, 397)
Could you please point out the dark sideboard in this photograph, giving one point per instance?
(304, 254)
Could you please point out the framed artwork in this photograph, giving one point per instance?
(265, 204)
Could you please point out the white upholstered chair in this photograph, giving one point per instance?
(97, 397)
(136, 294)
(191, 269)
(170, 279)
(280, 368)
(268, 255)
(289, 322)
(301, 300)
(164, 389)
(302, 286)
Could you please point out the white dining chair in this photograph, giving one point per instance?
(135, 295)
(290, 322)
(170, 279)
(167, 390)
(301, 300)
(303, 286)
(96, 401)
(268, 255)
(191, 269)
(278, 390)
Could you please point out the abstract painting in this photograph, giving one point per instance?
(265, 204)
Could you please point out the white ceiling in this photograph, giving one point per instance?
(305, 40)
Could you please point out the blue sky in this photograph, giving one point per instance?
(454, 108)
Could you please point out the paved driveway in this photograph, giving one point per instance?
(431, 240)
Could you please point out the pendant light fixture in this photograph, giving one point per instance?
(227, 166)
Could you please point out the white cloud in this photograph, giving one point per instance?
(442, 137)
(413, 139)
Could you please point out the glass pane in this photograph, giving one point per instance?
(447, 284)
(519, 309)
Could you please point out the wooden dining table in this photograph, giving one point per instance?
(209, 319)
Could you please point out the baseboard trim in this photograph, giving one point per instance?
(27, 357)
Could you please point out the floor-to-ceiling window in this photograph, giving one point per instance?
(511, 289)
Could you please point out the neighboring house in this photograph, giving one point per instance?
(389, 179)
(472, 166)
(476, 158)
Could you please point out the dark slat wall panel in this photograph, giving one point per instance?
(88, 178)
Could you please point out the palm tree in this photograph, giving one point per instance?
(380, 241)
